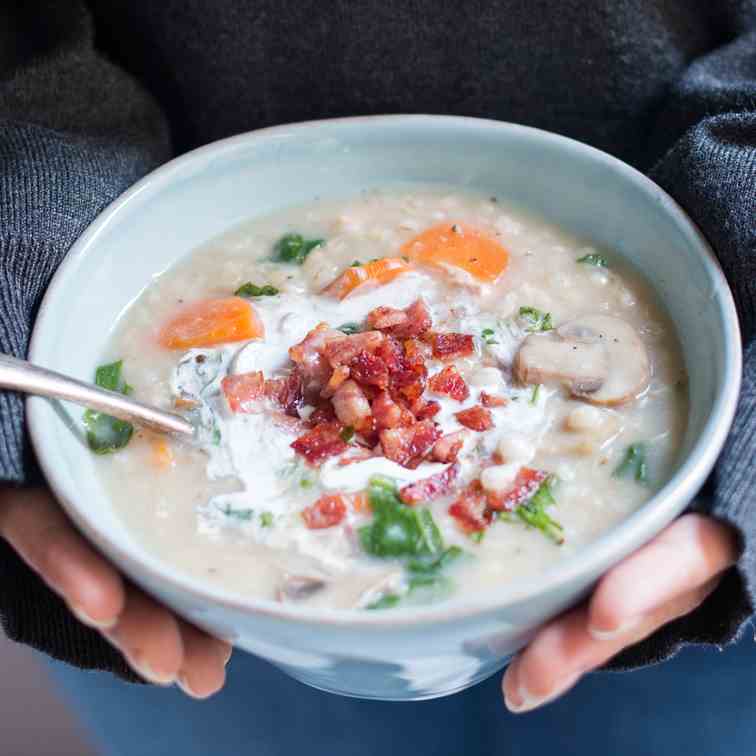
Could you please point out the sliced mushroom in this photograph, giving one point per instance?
(598, 358)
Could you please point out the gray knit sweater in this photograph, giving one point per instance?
(94, 95)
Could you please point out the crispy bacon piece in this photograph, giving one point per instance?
(492, 400)
(321, 442)
(450, 383)
(525, 485)
(475, 418)
(451, 346)
(430, 488)
(343, 350)
(407, 446)
(242, 391)
(287, 392)
(338, 377)
(369, 369)
(351, 404)
(391, 352)
(356, 454)
(308, 355)
(413, 321)
(327, 511)
(321, 414)
(388, 414)
(424, 410)
(447, 448)
(470, 509)
(416, 350)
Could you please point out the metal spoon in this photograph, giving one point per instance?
(20, 375)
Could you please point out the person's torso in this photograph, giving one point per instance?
(596, 70)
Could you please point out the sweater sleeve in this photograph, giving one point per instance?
(710, 169)
(75, 132)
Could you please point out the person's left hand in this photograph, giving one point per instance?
(666, 579)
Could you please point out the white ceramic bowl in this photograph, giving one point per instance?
(428, 651)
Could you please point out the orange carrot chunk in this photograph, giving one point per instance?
(375, 272)
(461, 246)
(210, 322)
(162, 454)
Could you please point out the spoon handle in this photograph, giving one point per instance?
(20, 375)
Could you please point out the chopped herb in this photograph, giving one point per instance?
(477, 535)
(533, 513)
(536, 393)
(306, 483)
(396, 529)
(537, 320)
(237, 514)
(294, 248)
(386, 601)
(266, 520)
(405, 258)
(216, 436)
(347, 434)
(633, 463)
(598, 261)
(253, 290)
(106, 434)
(350, 328)
(488, 336)
(355, 264)
(433, 565)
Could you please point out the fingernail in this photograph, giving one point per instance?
(522, 700)
(227, 655)
(183, 683)
(85, 619)
(612, 633)
(143, 669)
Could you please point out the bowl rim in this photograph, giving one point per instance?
(626, 536)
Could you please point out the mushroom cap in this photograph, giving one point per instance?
(599, 358)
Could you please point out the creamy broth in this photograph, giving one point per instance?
(594, 444)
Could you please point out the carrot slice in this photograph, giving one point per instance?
(377, 272)
(162, 454)
(462, 246)
(210, 322)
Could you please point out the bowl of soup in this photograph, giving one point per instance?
(443, 373)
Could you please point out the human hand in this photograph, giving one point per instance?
(665, 579)
(158, 646)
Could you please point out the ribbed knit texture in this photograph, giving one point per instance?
(668, 85)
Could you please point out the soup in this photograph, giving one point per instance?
(404, 397)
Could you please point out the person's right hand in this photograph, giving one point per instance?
(159, 646)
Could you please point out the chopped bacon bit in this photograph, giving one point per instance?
(356, 454)
(369, 368)
(391, 352)
(308, 354)
(288, 392)
(450, 346)
(525, 485)
(470, 509)
(386, 318)
(450, 383)
(321, 442)
(447, 448)
(343, 350)
(351, 404)
(338, 376)
(327, 511)
(430, 488)
(243, 390)
(404, 324)
(321, 414)
(389, 414)
(424, 410)
(475, 418)
(492, 400)
(407, 446)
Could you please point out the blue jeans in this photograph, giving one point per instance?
(702, 703)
